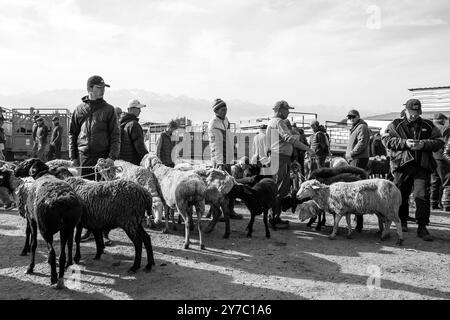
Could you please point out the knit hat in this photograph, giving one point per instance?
(218, 103)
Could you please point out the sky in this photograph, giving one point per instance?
(349, 54)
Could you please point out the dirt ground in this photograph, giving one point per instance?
(297, 263)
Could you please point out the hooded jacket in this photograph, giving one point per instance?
(320, 143)
(94, 130)
(132, 146)
(358, 143)
(164, 146)
(401, 130)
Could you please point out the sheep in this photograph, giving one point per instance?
(377, 196)
(258, 199)
(338, 162)
(141, 176)
(114, 204)
(52, 206)
(218, 184)
(183, 190)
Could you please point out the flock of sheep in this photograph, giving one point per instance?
(53, 199)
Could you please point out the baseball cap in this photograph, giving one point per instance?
(96, 81)
(55, 119)
(282, 104)
(134, 103)
(263, 126)
(414, 104)
(40, 119)
(353, 113)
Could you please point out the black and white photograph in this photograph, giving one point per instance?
(224, 155)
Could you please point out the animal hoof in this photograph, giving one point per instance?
(97, 257)
(385, 237)
(202, 247)
(226, 236)
(349, 236)
(68, 264)
(53, 280)
(132, 270)
(148, 268)
(318, 228)
(249, 236)
(400, 242)
(60, 284)
(77, 259)
(186, 246)
(165, 231)
(23, 253)
(29, 271)
(268, 236)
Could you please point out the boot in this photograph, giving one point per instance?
(423, 233)
(404, 226)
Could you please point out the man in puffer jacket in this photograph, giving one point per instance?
(93, 133)
(132, 146)
(412, 141)
(318, 142)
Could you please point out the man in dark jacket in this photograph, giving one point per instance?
(411, 141)
(55, 140)
(132, 146)
(33, 137)
(440, 178)
(94, 132)
(319, 144)
(164, 145)
(358, 149)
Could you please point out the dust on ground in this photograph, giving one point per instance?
(297, 263)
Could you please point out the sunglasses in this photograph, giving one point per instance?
(351, 117)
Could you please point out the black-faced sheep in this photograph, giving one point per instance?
(258, 199)
(377, 196)
(52, 206)
(114, 204)
(183, 190)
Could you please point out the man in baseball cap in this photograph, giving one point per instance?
(412, 141)
(96, 81)
(132, 146)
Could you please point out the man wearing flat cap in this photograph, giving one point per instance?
(358, 149)
(132, 146)
(55, 140)
(440, 178)
(411, 141)
(280, 145)
(93, 132)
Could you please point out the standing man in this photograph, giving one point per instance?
(2, 138)
(33, 137)
(55, 140)
(259, 147)
(280, 144)
(221, 144)
(41, 138)
(164, 145)
(132, 147)
(358, 149)
(411, 141)
(319, 143)
(440, 178)
(94, 132)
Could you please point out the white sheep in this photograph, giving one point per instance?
(376, 196)
(182, 190)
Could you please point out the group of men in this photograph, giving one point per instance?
(42, 148)
(96, 132)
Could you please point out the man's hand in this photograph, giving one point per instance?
(221, 167)
(109, 162)
(75, 163)
(414, 145)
